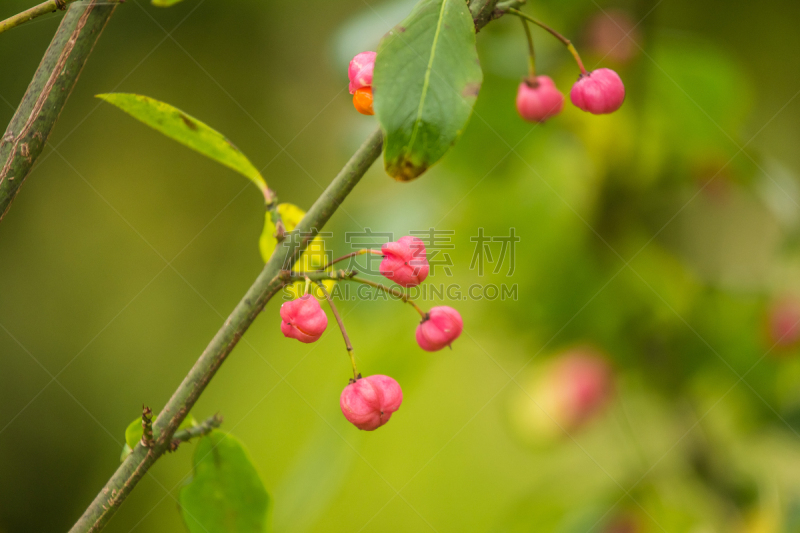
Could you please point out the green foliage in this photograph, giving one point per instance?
(133, 433)
(188, 131)
(313, 258)
(226, 494)
(426, 80)
(165, 3)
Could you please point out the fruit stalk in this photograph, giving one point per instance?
(555, 34)
(340, 322)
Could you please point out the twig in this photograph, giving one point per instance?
(27, 133)
(391, 290)
(266, 285)
(334, 275)
(271, 279)
(353, 254)
(204, 428)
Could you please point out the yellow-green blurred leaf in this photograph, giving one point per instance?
(314, 258)
(126, 451)
(165, 3)
(187, 130)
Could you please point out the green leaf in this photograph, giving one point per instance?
(426, 80)
(226, 494)
(133, 433)
(315, 256)
(188, 131)
(165, 3)
(126, 451)
(291, 215)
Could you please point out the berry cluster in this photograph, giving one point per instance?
(368, 402)
(598, 92)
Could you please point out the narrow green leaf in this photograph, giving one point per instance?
(165, 3)
(226, 494)
(426, 81)
(188, 131)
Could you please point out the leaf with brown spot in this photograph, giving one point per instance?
(187, 130)
(426, 80)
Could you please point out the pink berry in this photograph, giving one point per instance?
(784, 323)
(582, 380)
(368, 403)
(538, 99)
(360, 71)
(599, 92)
(440, 328)
(303, 319)
(404, 261)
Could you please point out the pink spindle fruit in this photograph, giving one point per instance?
(784, 323)
(598, 92)
(360, 71)
(562, 396)
(440, 328)
(404, 261)
(583, 382)
(538, 99)
(368, 403)
(303, 319)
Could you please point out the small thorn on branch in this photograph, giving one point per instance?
(147, 427)
(280, 231)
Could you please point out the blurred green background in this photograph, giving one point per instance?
(660, 235)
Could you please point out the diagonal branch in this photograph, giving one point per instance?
(27, 133)
(271, 279)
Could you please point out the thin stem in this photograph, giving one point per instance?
(26, 134)
(555, 34)
(353, 254)
(339, 321)
(334, 275)
(29, 14)
(308, 285)
(531, 53)
(391, 290)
